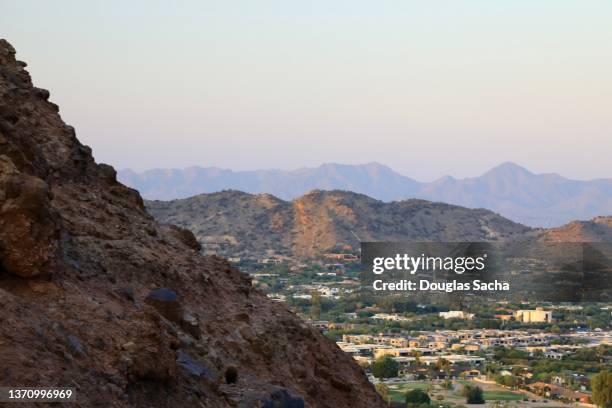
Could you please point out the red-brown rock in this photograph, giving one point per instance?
(85, 238)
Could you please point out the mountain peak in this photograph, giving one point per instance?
(508, 168)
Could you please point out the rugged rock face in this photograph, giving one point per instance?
(320, 220)
(29, 231)
(94, 294)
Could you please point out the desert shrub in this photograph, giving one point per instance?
(231, 375)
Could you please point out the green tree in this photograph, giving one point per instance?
(315, 305)
(385, 367)
(417, 397)
(601, 384)
(473, 395)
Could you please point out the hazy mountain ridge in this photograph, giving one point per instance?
(539, 200)
(320, 221)
(371, 179)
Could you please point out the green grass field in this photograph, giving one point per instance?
(502, 396)
(405, 387)
(495, 395)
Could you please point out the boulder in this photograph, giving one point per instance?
(185, 236)
(193, 367)
(167, 303)
(29, 234)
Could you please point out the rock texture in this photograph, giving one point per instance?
(29, 231)
(322, 220)
(95, 294)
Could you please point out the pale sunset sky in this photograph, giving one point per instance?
(427, 87)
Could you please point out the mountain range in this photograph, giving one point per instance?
(322, 224)
(323, 221)
(537, 200)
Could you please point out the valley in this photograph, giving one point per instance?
(306, 254)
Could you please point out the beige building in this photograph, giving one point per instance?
(533, 316)
(402, 352)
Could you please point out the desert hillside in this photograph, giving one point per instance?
(599, 229)
(96, 295)
(323, 221)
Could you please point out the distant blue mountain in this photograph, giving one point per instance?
(540, 200)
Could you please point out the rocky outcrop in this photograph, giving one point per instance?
(28, 229)
(96, 295)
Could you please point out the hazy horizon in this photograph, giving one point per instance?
(297, 168)
(428, 89)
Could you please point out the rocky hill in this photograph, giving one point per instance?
(96, 295)
(320, 221)
(599, 229)
(249, 226)
(537, 200)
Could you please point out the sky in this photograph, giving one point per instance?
(427, 87)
